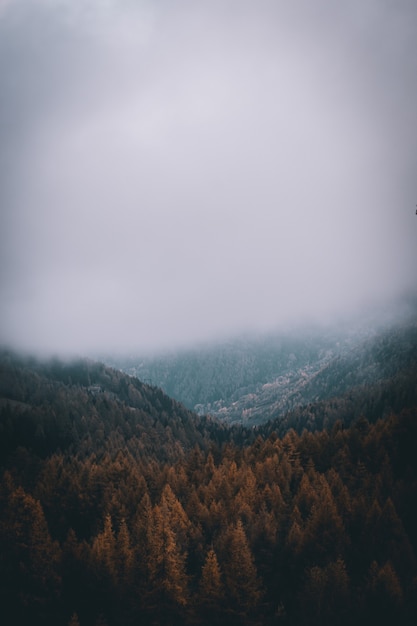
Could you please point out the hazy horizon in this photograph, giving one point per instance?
(179, 172)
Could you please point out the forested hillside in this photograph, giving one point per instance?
(121, 507)
(73, 406)
(253, 380)
(212, 378)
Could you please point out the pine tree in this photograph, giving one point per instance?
(313, 599)
(242, 583)
(325, 536)
(295, 539)
(29, 558)
(104, 553)
(124, 557)
(175, 515)
(384, 594)
(168, 582)
(211, 591)
(306, 496)
(325, 598)
(174, 582)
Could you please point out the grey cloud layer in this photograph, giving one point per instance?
(174, 171)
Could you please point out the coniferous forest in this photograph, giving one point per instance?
(208, 313)
(120, 507)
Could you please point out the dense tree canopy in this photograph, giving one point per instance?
(119, 507)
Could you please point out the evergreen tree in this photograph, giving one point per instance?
(124, 557)
(384, 594)
(210, 595)
(29, 560)
(242, 583)
(168, 581)
(104, 554)
(211, 585)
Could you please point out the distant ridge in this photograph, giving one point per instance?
(252, 380)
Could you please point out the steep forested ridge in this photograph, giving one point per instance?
(228, 379)
(74, 405)
(251, 381)
(375, 379)
(121, 507)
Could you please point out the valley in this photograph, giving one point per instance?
(251, 380)
(291, 502)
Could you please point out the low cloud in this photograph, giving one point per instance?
(174, 173)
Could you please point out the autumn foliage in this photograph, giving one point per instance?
(311, 528)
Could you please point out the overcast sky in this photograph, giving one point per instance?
(176, 171)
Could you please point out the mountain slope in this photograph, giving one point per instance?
(249, 381)
(212, 378)
(119, 507)
(376, 376)
(49, 405)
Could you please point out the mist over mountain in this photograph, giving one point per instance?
(250, 380)
(208, 313)
(173, 173)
